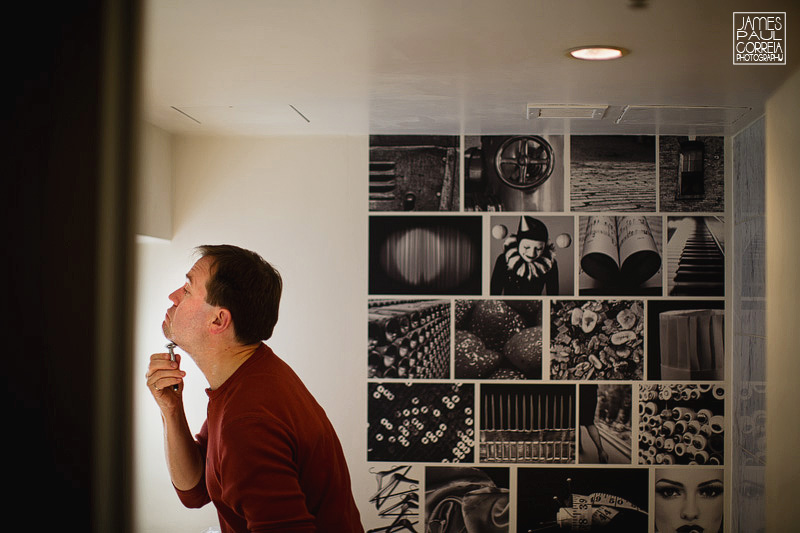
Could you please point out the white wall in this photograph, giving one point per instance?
(155, 185)
(301, 203)
(783, 306)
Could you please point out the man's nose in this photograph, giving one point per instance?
(175, 297)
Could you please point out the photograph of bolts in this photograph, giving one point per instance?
(409, 339)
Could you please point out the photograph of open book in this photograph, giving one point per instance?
(620, 255)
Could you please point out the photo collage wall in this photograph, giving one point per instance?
(546, 339)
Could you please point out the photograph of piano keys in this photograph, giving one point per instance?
(425, 255)
(686, 340)
(527, 423)
(409, 339)
(558, 500)
(421, 422)
(691, 174)
(696, 256)
(681, 424)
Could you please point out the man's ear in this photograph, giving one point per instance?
(222, 320)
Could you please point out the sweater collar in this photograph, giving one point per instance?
(262, 351)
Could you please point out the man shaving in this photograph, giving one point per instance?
(267, 456)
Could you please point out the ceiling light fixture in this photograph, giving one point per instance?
(597, 53)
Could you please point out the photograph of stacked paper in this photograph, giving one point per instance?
(686, 340)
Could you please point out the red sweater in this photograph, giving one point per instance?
(273, 461)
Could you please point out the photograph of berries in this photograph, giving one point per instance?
(498, 339)
(597, 339)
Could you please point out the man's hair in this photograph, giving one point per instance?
(245, 284)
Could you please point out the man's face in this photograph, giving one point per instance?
(186, 321)
(530, 249)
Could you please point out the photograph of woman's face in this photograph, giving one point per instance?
(689, 500)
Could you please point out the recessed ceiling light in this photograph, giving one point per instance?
(597, 53)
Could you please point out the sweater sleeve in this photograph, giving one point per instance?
(260, 479)
(198, 496)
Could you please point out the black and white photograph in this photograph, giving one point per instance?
(421, 422)
(613, 173)
(514, 173)
(522, 423)
(532, 256)
(554, 500)
(691, 174)
(686, 340)
(696, 256)
(466, 499)
(409, 339)
(395, 504)
(597, 339)
(620, 255)
(681, 424)
(604, 420)
(414, 173)
(425, 255)
(498, 339)
(689, 499)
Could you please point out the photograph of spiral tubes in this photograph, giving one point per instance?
(420, 422)
(527, 424)
(681, 424)
(409, 339)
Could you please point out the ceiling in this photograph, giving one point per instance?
(321, 67)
